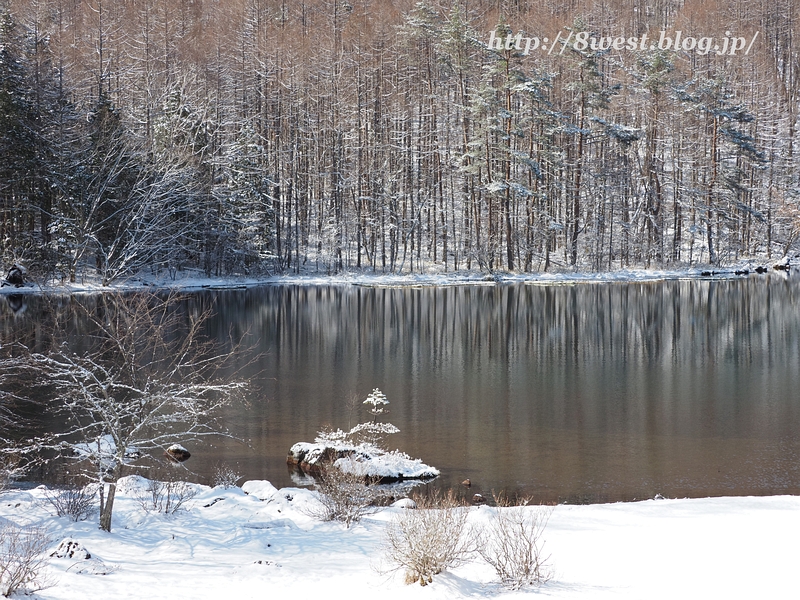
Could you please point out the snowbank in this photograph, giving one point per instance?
(259, 488)
(228, 544)
(191, 281)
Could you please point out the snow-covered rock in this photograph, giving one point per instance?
(783, 264)
(92, 566)
(69, 548)
(361, 459)
(404, 503)
(177, 453)
(391, 466)
(259, 488)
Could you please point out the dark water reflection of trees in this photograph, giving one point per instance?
(578, 392)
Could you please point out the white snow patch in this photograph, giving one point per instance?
(404, 503)
(177, 448)
(244, 549)
(393, 464)
(259, 488)
(366, 459)
(191, 280)
(103, 449)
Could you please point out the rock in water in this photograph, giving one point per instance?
(16, 275)
(177, 453)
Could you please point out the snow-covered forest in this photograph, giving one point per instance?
(253, 136)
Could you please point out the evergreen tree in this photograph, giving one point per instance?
(246, 213)
(19, 160)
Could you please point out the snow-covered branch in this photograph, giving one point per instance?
(146, 381)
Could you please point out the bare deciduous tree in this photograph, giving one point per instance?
(146, 379)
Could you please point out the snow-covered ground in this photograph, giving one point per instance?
(230, 545)
(195, 280)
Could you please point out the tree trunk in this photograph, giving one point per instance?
(105, 515)
(107, 507)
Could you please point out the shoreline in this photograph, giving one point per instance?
(191, 282)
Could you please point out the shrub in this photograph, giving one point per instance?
(224, 475)
(22, 558)
(512, 544)
(166, 497)
(344, 496)
(75, 503)
(366, 436)
(10, 469)
(430, 539)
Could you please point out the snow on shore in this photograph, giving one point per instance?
(194, 280)
(230, 545)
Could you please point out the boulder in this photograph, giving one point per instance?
(69, 548)
(311, 458)
(177, 453)
(405, 503)
(259, 488)
(374, 464)
(16, 276)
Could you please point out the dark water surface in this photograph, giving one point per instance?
(586, 392)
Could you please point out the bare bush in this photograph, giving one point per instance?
(5, 477)
(344, 496)
(76, 503)
(224, 475)
(430, 539)
(166, 497)
(11, 468)
(512, 544)
(22, 558)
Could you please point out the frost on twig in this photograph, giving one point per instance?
(513, 544)
(22, 558)
(345, 496)
(146, 378)
(429, 539)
